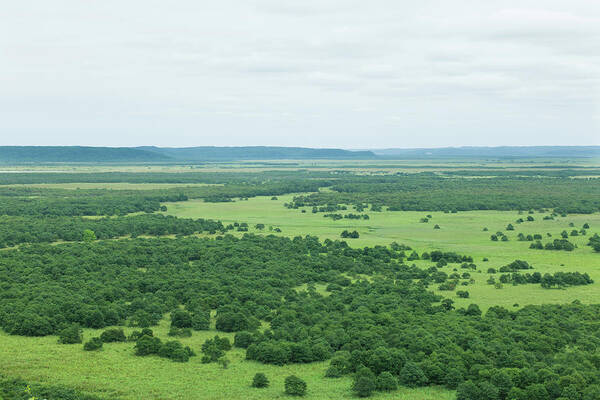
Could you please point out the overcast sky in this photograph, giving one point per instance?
(314, 73)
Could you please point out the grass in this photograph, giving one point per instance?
(461, 232)
(116, 371)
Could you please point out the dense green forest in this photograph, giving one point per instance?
(40, 229)
(390, 325)
(427, 192)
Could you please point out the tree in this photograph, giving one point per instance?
(364, 386)
(412, 376)
(473, 310)
(201, 321)
(243, 339)
(70, 335)
(93, 344)
(503, 382)
(232, 322)
(386, 382)
(467, 391)
(592, 392)
(113, 335)
(181, 319)
(260, 380)
(147, 345)
(89, 235)
(536, 391)
(364, 382)
(453, 378)
(295, 386)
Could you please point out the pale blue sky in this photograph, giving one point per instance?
(315, 73)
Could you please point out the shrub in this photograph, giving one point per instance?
(181, 319)
(260, 380)
(70, 335)
(364, 386)
(243, 339)
(295, 386)
(113, 335)
(386, 382)
(147, 345)
(93, 344)
(180, 332)
(412, 376)
(201, 321)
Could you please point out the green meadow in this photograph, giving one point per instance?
(116, 372)
(461, 232)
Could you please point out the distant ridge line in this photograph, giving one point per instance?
(153, 154)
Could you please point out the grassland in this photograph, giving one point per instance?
(116, 372)
(461, 232)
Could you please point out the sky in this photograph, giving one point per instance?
(313, 73)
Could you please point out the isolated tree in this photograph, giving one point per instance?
(70, 335)
(260, 380)
(93, 344)
(113, 335)
(295, 386)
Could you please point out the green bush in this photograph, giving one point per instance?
(295, 386)
(70, 335)
(260, 380)
(113, 335)
(93, 344)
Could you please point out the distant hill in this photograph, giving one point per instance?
(150, 154)
(210, 153)
(494, 152)
(52, 154)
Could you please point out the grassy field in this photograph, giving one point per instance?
(116, 371)
(461, 232)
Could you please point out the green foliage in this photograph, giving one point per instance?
(411, 375)
(260, 380)
(113, 335)
(70, 335)
(93, 344)
(294, 386)
(386, 382)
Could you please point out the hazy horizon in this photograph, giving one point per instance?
(318, 74)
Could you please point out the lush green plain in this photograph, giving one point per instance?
(461, 232)
(116, 372)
